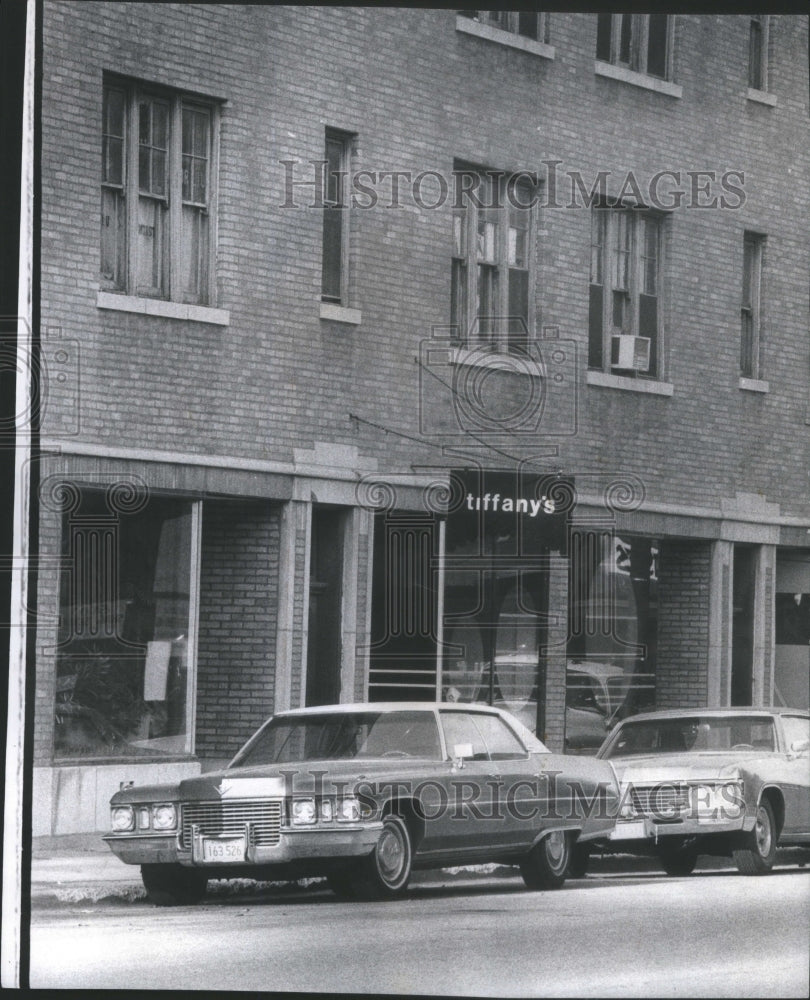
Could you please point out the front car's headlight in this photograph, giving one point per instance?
(304, 812)
(122, 819)
(164, 816)
(348, 810)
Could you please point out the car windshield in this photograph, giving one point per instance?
(343, 736)
(692, 734)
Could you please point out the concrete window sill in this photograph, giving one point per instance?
(160, 307)
(341, 314)
(493, 34)
(762, 97)
(638, 79)
(649, 386)
(754, 384)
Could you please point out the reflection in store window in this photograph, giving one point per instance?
(612, 635)
(122, 664)
(517, 655)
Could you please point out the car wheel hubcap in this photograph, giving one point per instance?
(763, 832)
(391, 855)
(555, 849)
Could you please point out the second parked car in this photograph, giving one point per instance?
(731, 782)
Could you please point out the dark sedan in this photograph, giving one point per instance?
(363, 794)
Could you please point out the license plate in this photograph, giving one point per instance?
(223, 849)
(629, 831)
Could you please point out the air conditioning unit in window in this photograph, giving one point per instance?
(630, 352)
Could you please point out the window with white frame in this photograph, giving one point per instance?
(638, 42)
(625, 281)
(758, 52)
(750, 324)
(527, 23)
(334, 282)
(492, 259)
(157, 193)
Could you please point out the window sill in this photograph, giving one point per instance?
(637, 79)
(160, 307)
(341, 314)
(754, 384)
(649, 386)
(493, 34)
(762, 97)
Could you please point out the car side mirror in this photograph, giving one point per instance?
(800, 746)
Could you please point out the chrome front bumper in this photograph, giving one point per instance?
(293, 845)
(645, 828)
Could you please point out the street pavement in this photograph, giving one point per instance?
(80, 868)
(631, 934)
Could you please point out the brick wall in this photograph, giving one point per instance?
(237, 630)
(278, 377)
(683, 625)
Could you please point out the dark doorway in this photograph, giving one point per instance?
(324, 644)
(742, 626)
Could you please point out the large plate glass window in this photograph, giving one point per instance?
(125, 660)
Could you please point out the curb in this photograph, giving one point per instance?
(127, 888)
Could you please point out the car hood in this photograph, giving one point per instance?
(651, 768)
(326, 777)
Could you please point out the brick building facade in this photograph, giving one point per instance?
(270, 373)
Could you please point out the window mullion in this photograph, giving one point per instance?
(668, 67)
(634, 282)
(213, 210)
(175, 198)
(131, 190)
(641, 23)
(502, 269)
(345, 248)
(756, 279)
(471, 318)
(607, 286)
(615, 38)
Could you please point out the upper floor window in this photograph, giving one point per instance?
(625, 282)
(334, 282)
(750, 334)
(758, 52)
(638, 42)
(157, 193)
(492, 259)
(528, 23)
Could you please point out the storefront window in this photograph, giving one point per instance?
(496, 592)
(123, 668)
(612, 635)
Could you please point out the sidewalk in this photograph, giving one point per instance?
(80, 868)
